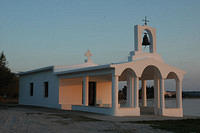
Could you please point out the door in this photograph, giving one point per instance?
(92, 93)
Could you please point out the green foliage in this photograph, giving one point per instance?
(3, 62)
(177, 126)
(8, 80)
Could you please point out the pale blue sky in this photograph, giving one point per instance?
(38, 33)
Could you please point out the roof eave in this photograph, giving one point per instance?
(91, 68)
(36, 70)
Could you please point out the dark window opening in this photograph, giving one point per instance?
(31, 89)
(92, 93)
(46, 87)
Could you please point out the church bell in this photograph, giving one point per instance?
(145, 41)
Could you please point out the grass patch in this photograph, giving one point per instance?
(30, 113)
(177, 126)
(117, 130)
(76, 118)
(62, 122)
(66, 119)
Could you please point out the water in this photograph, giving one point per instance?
(191, 107)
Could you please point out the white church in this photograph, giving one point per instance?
(94, 88)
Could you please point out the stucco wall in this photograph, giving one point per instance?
(38, 98)
(70, 92)
(104, 92)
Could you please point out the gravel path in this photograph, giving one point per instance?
(37, 120)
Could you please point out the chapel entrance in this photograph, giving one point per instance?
(150, 99)
(92, 93)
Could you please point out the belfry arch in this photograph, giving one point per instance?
(147, 35)
(139, 35)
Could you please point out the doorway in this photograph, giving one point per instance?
(92, 93)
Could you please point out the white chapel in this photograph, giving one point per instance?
(95, 88)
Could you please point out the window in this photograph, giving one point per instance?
(46, 87)
(31, 89)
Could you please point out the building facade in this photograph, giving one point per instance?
(94, 88)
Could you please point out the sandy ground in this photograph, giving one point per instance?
(41, 120)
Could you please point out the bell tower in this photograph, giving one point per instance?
(140, 41)
(138, 32)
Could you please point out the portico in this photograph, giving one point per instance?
(141, 67)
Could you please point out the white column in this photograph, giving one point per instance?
(156, 93)
(179, 93)
(114, 92)
(130, 91)
(85, 90)
(144, 93)
(155, 100)
(162, 94)
(136, 92)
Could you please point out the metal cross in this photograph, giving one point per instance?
(145, 20)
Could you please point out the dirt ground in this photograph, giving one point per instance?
(23, 119)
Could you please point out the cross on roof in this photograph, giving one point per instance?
(88, 54)
(145, 20)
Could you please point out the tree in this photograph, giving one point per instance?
(8, 80)
(3, 62)
(150, 92)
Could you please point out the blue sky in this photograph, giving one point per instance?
(38, 33)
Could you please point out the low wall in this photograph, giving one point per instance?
(127, 112)
(100, 110)
(108, 111)
(147, 110)
(173, 112)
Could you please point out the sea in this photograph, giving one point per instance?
(191, 106)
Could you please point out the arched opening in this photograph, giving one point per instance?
(126, 87)
(149, 98)
(147, 41)
(171, 90)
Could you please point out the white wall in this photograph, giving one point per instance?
(38, 98)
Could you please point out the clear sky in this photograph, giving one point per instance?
(38, 33)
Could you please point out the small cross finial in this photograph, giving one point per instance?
(88, 54)
(145, 20)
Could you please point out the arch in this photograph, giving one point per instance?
(172, 75)
(148, 70)
(128, 67)
(127, 72)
